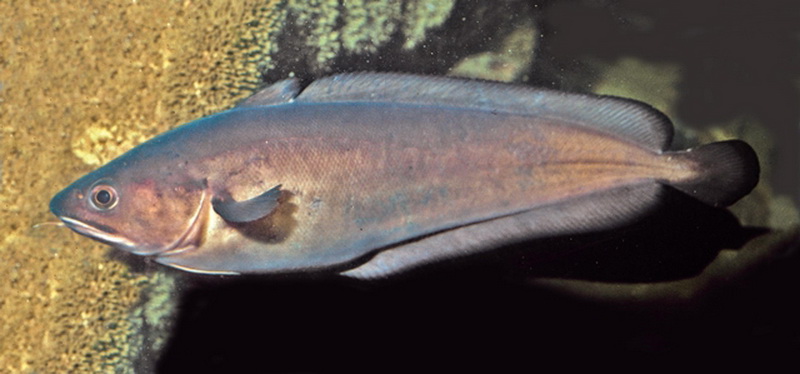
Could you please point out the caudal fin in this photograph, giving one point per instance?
(727, 171)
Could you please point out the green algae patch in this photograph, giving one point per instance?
(510, 62)
(327, 29)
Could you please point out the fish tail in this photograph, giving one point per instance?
(725, 172)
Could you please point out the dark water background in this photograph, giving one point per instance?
(738, 59)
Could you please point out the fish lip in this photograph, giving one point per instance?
(164, 261)
(95, 232)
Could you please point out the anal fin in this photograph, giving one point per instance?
(594, 212)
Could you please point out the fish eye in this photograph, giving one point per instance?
(104, 197)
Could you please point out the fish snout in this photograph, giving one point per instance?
(58, 202)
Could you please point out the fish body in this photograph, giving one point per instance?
(371, 174)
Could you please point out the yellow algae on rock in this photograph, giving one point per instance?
(100, 145)
(80, 83)
(221, 49)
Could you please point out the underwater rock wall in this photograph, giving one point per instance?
(84, 81)
(324, 36)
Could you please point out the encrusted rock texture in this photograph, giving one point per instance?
(83, 82)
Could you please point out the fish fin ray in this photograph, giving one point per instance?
(248, 210)
(594, 212)
(725, 172)
(625, 118)
(280, 92)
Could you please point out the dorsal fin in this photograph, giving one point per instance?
(625, 118)
(280, 92)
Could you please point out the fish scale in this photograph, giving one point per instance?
(372, 174)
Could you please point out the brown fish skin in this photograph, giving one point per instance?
(364, 188)
(358, 177)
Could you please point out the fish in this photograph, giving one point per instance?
(368, 175)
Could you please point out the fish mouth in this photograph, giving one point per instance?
(94, 232)
(187, 241)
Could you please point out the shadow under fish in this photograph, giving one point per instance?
(369, 175)
(677, 241)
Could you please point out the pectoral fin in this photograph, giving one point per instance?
(248, 210)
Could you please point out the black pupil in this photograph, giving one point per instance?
(103, 197)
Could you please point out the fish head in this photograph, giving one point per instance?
(143, 209)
